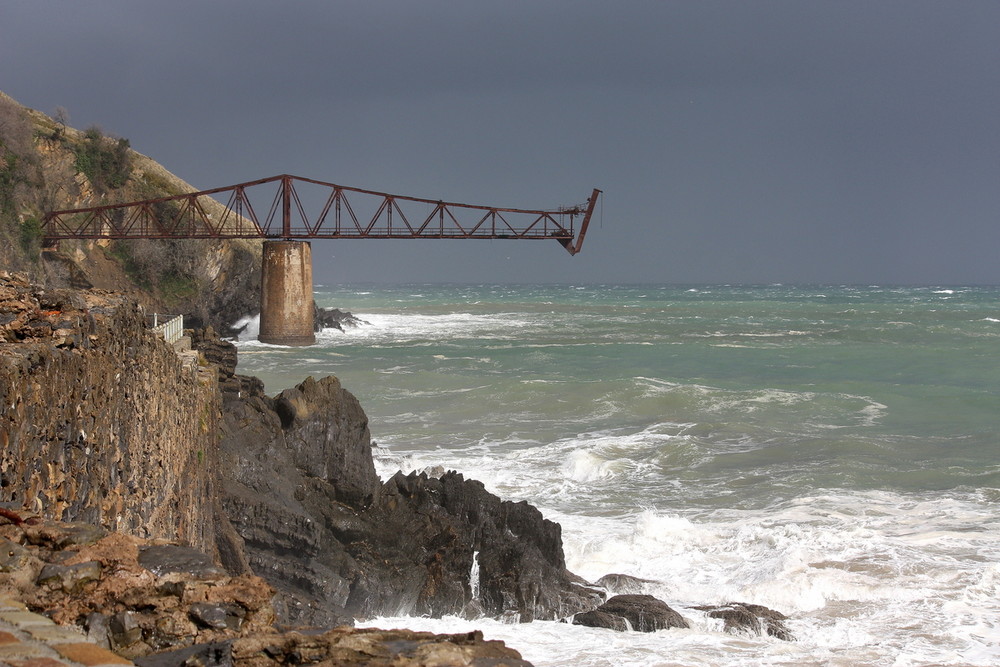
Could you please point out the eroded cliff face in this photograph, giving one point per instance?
(101, 420)
(300, 491)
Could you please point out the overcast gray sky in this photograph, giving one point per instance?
(745, 141)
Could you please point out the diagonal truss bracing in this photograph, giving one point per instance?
(303, 208)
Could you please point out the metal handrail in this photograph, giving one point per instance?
(172, 330)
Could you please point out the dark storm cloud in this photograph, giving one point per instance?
(736, 141)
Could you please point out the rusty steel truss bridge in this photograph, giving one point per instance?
(304, 208)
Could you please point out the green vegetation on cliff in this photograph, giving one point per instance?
(19, 178)
(106, 162)
(46, 165)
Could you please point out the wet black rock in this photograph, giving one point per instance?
(750, 619)
(304, 508)
(334, 318)
(644, 613)
(521, 568)
(601, 619)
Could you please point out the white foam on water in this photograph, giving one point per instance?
(403, 328)
(866, 579)
(874, 578)
(837, 410)
(585, 466)
(250, 326)
(474, 576)
(553, 644)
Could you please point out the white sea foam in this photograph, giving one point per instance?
(855, 593)
(405, 328)
(585, 466)
(250, 326)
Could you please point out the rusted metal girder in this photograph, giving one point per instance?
(344, 213)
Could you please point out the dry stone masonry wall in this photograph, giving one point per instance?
(100, 420)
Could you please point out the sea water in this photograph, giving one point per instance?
(831, 452)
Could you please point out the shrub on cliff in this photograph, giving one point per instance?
(105, 161)
(19, 174)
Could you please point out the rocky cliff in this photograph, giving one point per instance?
(102, 421)
(299, 488)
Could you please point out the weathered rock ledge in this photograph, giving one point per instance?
(164, 605)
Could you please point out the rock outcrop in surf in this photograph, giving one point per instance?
(304, 508)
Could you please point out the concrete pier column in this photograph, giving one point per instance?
(286, 294)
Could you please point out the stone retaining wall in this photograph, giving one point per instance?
(100, 421)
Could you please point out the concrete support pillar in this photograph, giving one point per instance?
(286, 294)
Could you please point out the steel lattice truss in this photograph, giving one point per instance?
(303, 208)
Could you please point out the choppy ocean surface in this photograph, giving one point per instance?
(830, 452)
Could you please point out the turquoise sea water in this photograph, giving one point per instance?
(832, 452)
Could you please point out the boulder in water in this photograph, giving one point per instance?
(334, 318)
(643, 613)
(750, 619)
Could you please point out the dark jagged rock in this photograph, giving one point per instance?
(334, 318)
(522, 571)
(644, 613)
(750, 619)
(326, 432)
(306, 510)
